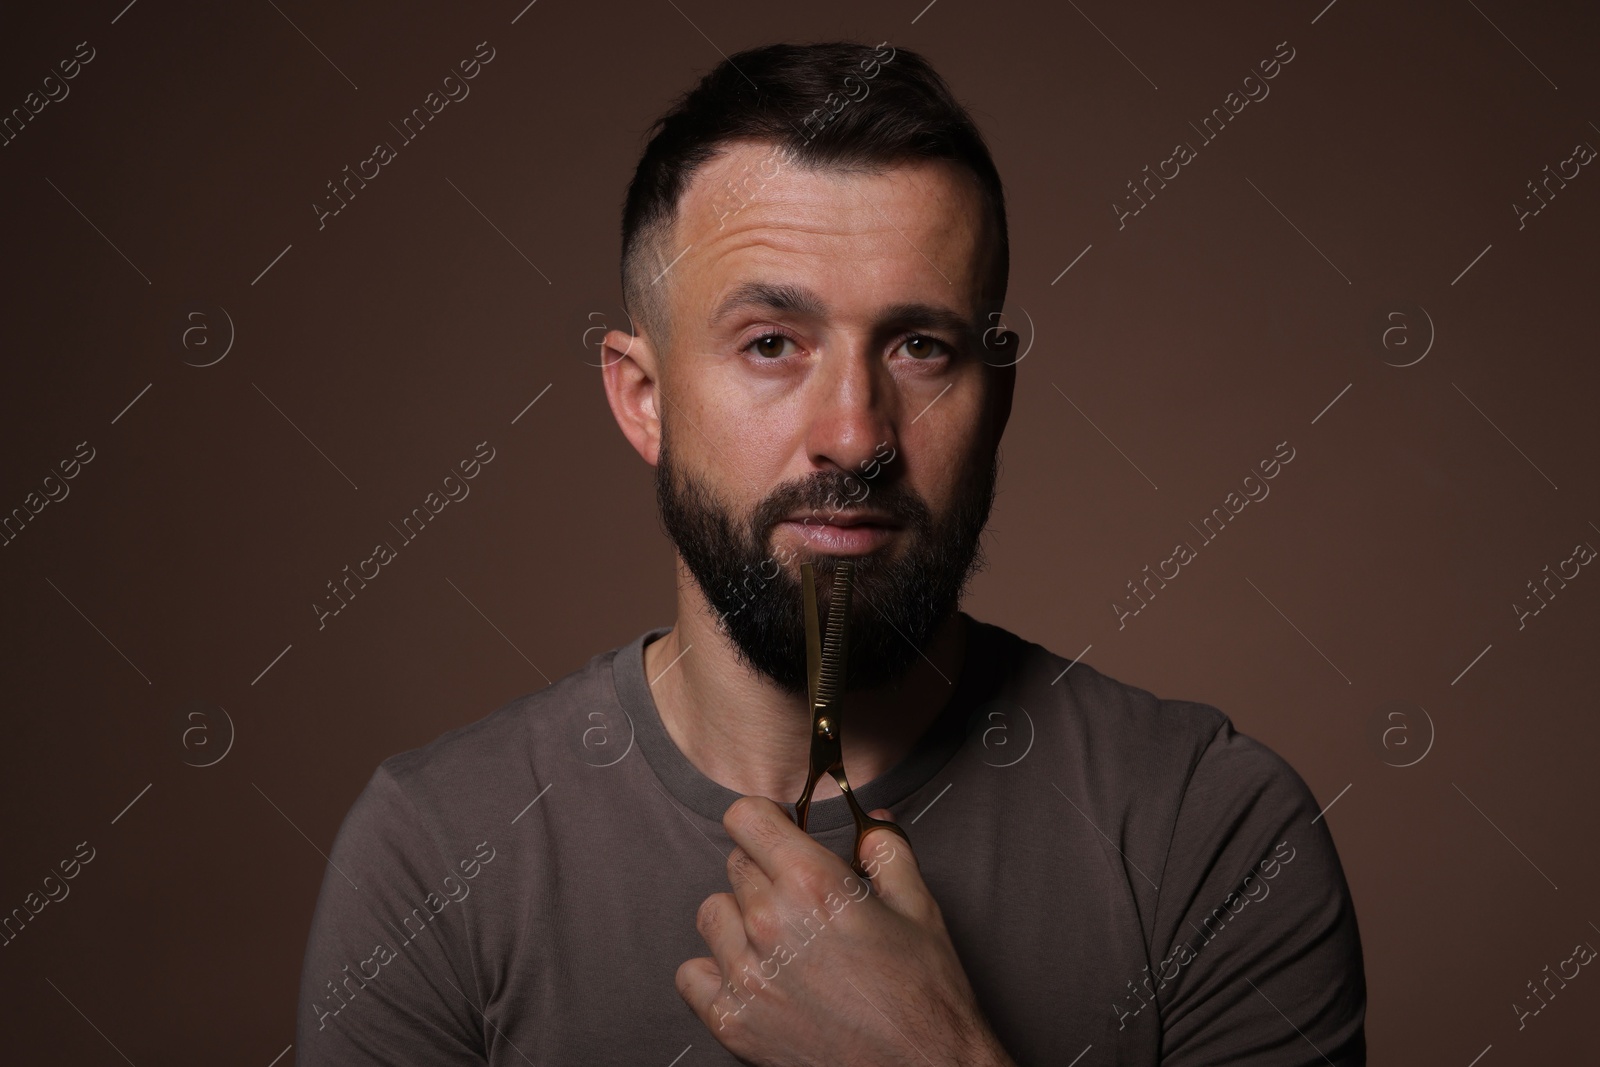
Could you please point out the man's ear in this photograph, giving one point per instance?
(1003, 385)
(632, 376)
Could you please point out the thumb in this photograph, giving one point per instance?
(894, 869)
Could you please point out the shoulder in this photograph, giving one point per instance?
(1141, 738)
(1186, 784)
(486, 770)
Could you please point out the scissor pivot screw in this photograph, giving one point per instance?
(825, 727)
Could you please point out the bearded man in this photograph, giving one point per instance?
(611, 870)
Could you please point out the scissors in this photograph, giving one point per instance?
(825, 673)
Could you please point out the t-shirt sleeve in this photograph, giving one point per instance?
(1259, 955)
(387, 977)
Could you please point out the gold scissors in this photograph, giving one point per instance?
(825, 674)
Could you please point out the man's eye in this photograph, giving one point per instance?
(920, 347)
(768, 344)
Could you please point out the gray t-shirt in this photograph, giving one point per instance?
(1127, 880)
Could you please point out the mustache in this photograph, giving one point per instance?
(826, 493)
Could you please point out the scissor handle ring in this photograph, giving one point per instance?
(865, 824)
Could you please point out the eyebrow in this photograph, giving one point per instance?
(799, 300)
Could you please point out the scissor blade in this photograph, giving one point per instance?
(830, 682)
(808, 584)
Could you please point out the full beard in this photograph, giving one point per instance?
(901, 593)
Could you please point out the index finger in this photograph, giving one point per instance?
(770, 837)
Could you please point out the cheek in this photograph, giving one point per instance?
(747, 449)
(729, 417)
(941, 459)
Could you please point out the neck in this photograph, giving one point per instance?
(744, 732)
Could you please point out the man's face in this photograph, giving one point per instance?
(826, 395)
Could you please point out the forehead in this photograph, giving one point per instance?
(909, 232)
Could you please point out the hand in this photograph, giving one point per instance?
(813, 966)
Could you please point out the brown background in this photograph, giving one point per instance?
(1206, 331)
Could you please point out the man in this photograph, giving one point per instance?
(609, 871)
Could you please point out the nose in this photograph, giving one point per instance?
(852, 413)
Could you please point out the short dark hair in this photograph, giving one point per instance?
(836, 104)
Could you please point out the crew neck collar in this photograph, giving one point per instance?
(710, 799)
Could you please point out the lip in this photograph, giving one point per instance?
(847, 536)
(849, 518)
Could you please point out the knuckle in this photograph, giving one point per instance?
(756, 822)
(747, 812)
(741, 868)
(812, 883)
(684, 980)
(765, 925)
(708, 917)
